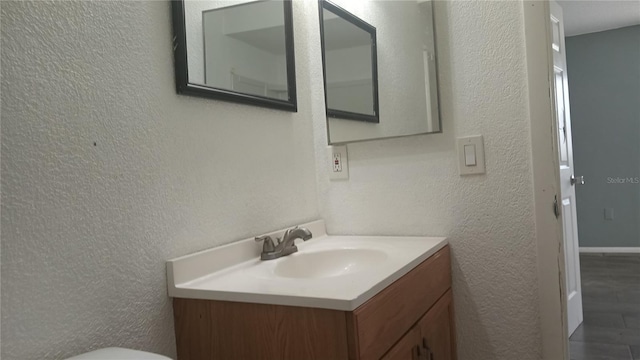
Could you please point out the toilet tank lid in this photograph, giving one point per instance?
(115, 353)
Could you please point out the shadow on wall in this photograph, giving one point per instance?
(466, 306)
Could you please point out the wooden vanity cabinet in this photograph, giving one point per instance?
(410, 319)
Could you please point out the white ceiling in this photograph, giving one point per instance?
(269, 39)
(338, 33)
(587, 16)
(341, 34)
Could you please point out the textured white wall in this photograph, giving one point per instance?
(87, 229)
(411, 185)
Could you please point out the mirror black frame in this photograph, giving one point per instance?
(184, 87)
(344, 14)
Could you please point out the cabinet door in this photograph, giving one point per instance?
(380, 322)
(437, 330)
(406, 348)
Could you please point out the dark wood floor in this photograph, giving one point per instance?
(611, 302)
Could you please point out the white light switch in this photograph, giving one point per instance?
(470, 155)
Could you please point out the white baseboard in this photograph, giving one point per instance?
(610, 250)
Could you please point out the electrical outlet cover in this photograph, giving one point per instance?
(608, 213)
(338, 162)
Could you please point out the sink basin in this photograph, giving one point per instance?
(328, 263)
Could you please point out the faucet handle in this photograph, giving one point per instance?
(287, 232)
(268, 245)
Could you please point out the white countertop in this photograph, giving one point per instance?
(235, 272)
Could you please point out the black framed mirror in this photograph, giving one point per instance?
(349, 61)
(239, 51)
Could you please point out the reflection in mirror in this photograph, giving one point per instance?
(407, 72)
(237, 50)
(349, 54)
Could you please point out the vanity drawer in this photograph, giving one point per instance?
(384, 319)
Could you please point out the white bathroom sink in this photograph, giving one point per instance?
(328, 263)
(329, 271)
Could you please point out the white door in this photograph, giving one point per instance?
(567, 200)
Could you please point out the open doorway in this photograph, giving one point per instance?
(602, 46)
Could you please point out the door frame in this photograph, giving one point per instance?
(552, 297)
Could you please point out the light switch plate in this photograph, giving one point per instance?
(338, 162)
(475, 143)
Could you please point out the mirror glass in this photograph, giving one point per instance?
(238, 51)
(349, 58)
(406, 70)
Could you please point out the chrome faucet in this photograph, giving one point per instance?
(284, 246)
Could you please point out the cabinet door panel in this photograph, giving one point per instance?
(381, 321)
(405, 348)
(436, 329)
(211, 329)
